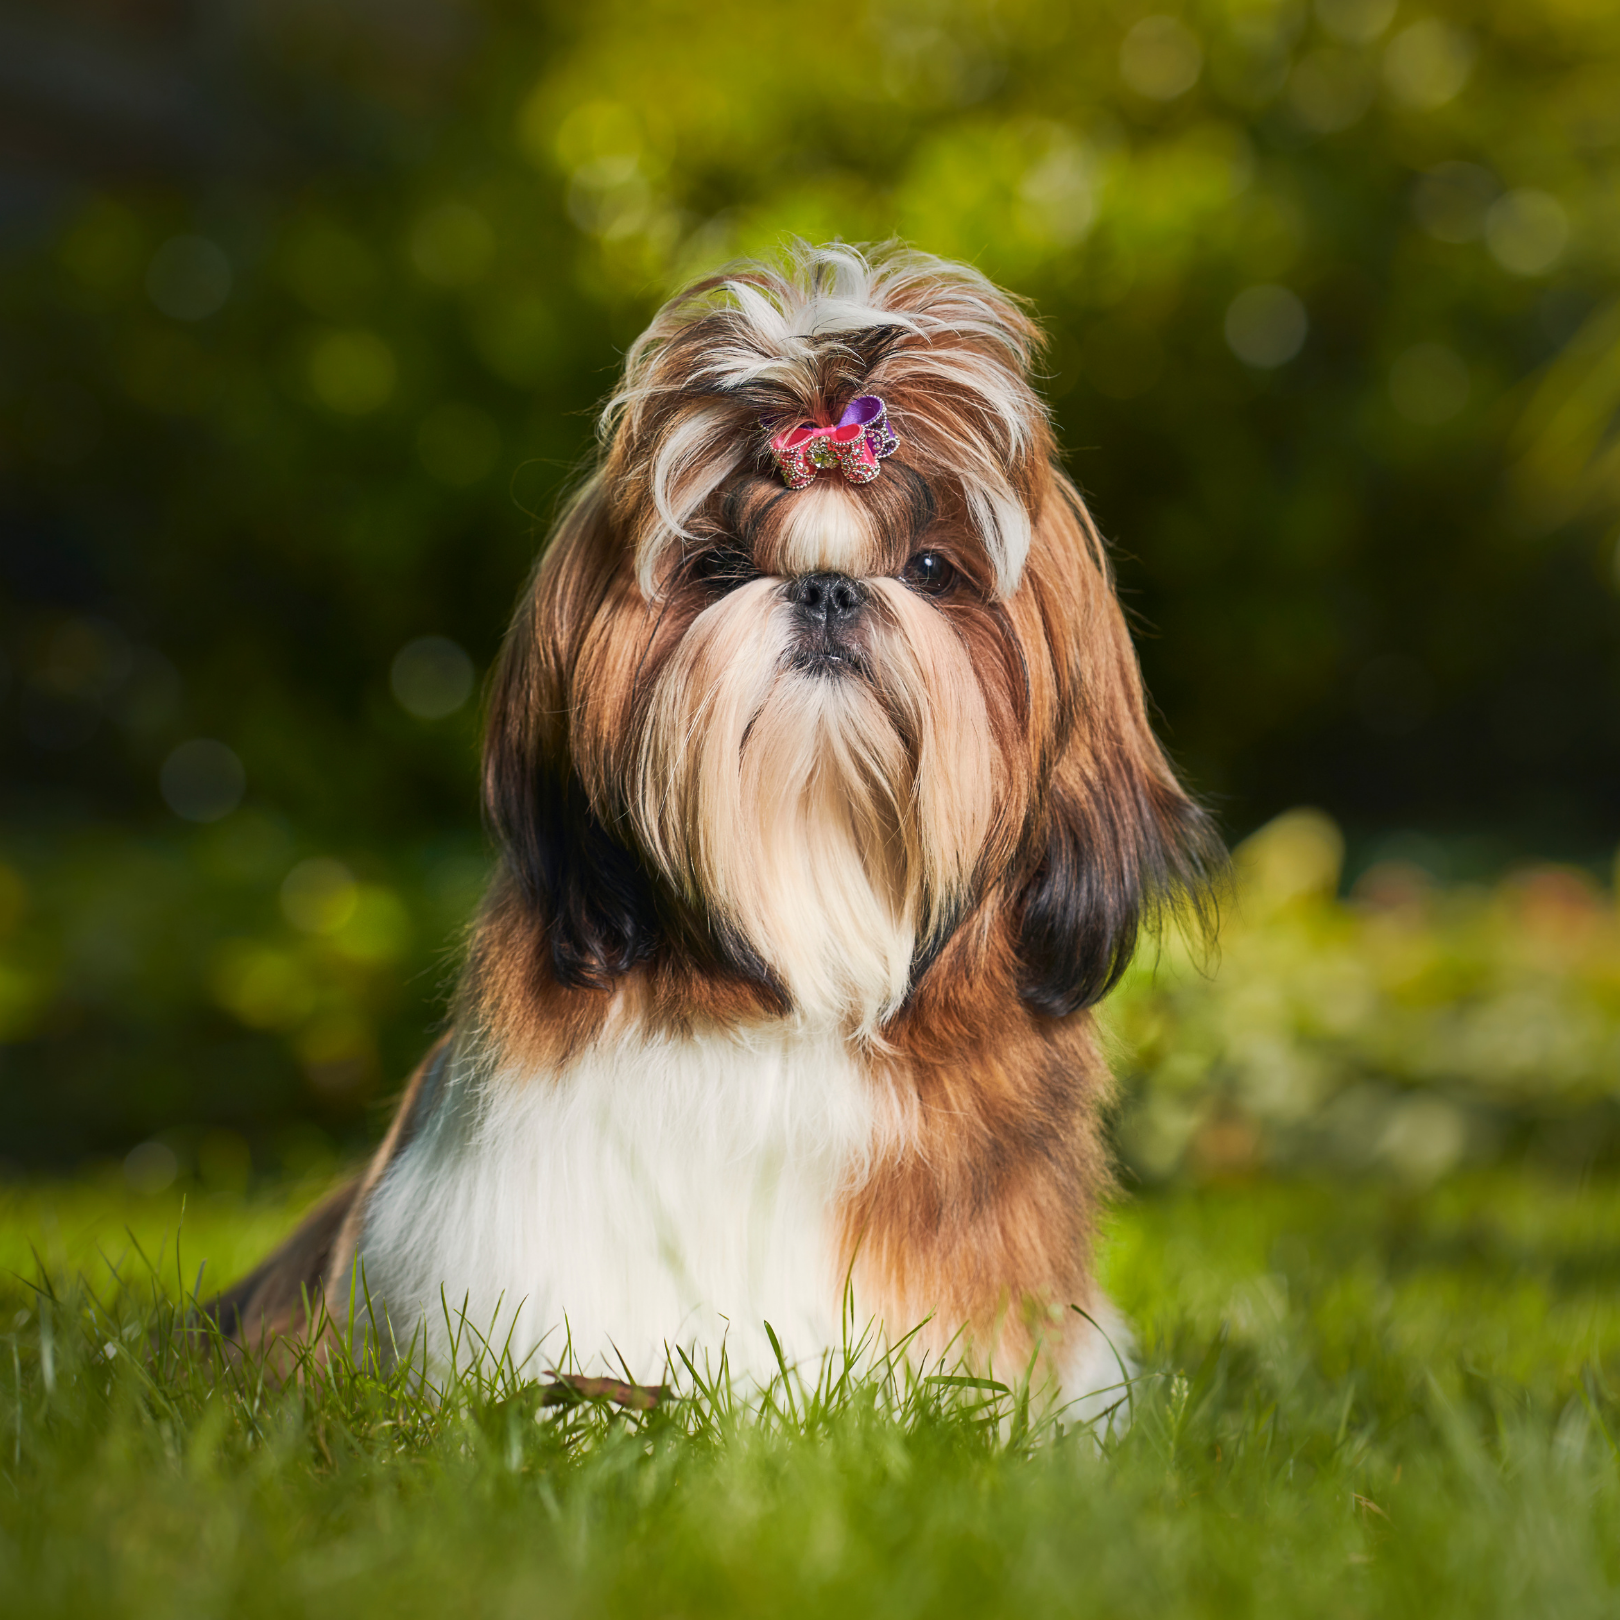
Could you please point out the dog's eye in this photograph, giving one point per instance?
(721, 565)
(929, 572)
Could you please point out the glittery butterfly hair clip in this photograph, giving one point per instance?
(854, 447)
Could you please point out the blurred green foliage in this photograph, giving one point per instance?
(285, 405)
(1411, 1028)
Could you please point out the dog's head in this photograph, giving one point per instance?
(800, 737)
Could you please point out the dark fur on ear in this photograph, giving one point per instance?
(588, 890)
(596, 901)
(1115, 859)
(1115, 842)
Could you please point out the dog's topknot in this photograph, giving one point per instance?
(797, 336)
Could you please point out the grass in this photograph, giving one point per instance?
(1357, 1400)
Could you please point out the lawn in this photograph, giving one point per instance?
(1356, 1399)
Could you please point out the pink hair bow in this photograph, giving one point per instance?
(854, 447)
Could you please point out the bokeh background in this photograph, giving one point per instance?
(306, 307)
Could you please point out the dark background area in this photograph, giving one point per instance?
(307, 307)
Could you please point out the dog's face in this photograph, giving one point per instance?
(803, 739)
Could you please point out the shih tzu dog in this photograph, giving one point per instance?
(827, 805)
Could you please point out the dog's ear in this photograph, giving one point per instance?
(1118, 846)
(1114, 840)
(587, 890)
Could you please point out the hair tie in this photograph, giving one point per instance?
(854, 447)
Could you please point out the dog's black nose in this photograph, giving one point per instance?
(829, 601)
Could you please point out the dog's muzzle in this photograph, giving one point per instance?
(827, 611)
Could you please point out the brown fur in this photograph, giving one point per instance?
(270, 1303)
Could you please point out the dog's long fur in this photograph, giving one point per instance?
(778, 1000)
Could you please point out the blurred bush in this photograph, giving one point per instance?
(1410, 1027)
(228, 979)
(306, 307)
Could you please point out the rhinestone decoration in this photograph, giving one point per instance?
(861, 439)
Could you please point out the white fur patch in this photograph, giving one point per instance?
(657, 1192)
(827, 528)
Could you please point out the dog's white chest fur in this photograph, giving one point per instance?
(654, 1193)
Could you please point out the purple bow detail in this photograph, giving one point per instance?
(854, 447)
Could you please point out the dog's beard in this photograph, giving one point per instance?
(827, 819)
